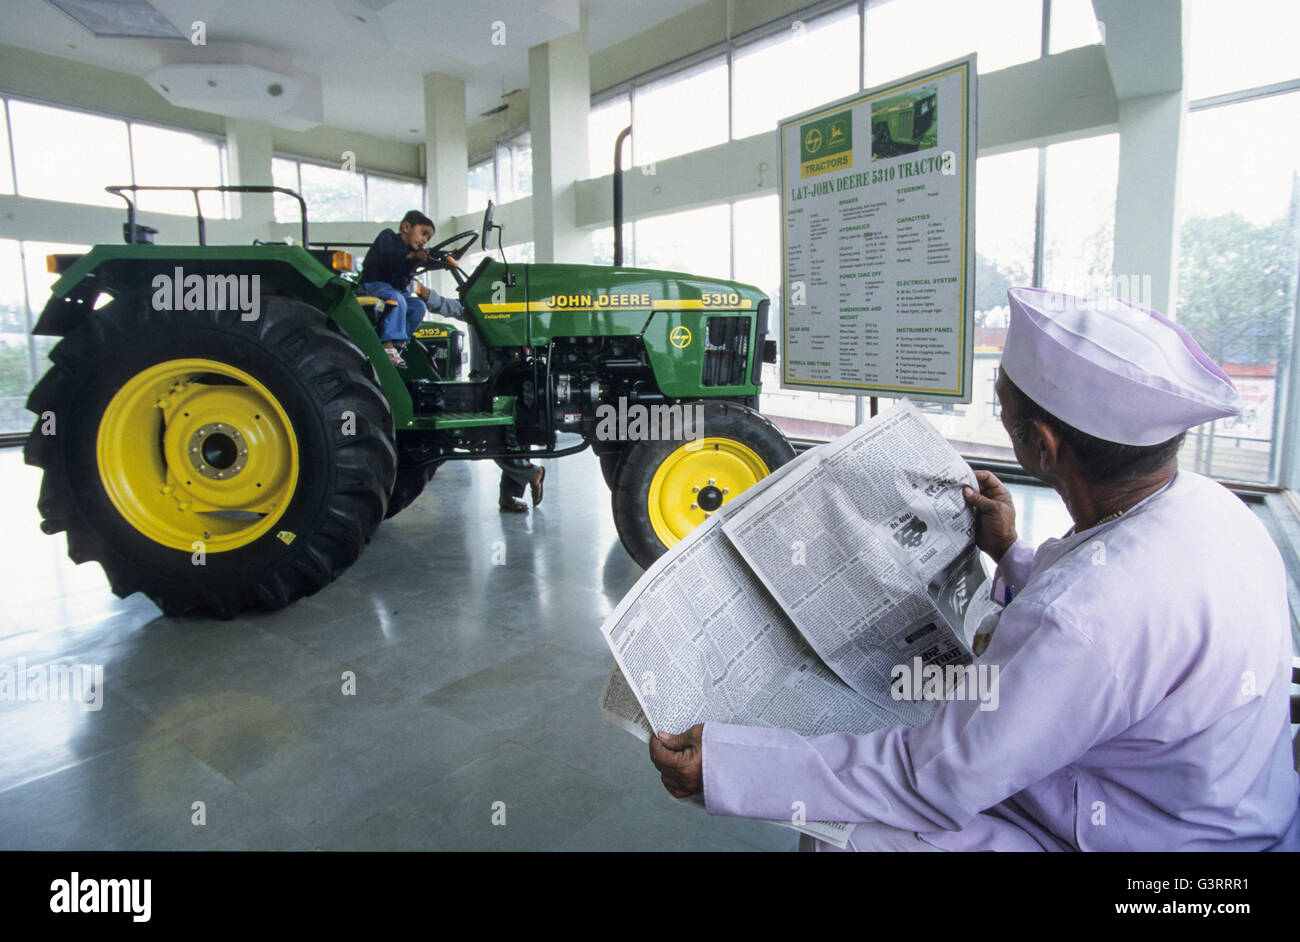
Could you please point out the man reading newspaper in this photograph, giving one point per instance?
(1144, 657)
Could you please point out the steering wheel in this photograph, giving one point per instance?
(440, 256)
(468, 236)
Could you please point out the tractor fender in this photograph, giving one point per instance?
(282, 270)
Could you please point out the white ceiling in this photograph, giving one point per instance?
(369, 54)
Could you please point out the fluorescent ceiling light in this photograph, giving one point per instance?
(119, 19)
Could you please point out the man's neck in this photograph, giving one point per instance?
(1090, 503)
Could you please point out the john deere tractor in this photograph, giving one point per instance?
(905, 123)
(221, 428)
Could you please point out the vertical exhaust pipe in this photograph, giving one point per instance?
(618, 195)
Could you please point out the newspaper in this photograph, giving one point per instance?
(870, 551)
(792, 605)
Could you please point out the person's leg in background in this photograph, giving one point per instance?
(516, 474)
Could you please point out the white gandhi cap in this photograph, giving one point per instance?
(1109, 368)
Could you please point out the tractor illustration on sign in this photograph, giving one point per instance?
(905, 123)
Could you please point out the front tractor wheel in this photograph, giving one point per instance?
(210, 462)
(665, 489)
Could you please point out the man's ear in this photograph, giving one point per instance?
(1049, 445)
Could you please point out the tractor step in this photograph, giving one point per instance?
(503, 413)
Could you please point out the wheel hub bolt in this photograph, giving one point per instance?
(218, 451)
(710, 499)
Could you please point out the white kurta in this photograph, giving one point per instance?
(1143, 704)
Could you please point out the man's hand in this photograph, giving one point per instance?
(995, 515)
(679, 760)
(421, 291)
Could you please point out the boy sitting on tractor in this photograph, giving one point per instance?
(386, 274)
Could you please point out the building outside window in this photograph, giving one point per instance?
(1239, 198)
(45, 167)
(514, 167)
(482, 185)
(24, 289)
(165, 157)
(799, 67)
(109, 151)
(1073, 24)
(1237, 271)
(903, 37)
(693, 240)
(606, 119)
(503, 174)
(682, 112)
(337, 195)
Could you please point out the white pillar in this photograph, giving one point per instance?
(1146, 205)
(446, 150)
(559, 99)
(249, 148)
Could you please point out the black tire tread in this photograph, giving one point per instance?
(322, 360)
(408, 485)
(628, 498)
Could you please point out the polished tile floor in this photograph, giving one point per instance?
(475, 684)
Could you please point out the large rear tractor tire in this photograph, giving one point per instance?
(665, 489)
(212, 463)
(408, 485)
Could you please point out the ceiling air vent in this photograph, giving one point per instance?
(119, 19)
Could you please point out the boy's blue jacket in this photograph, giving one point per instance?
(386, 261)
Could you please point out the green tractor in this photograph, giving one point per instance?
(220, 427)
(906, 123)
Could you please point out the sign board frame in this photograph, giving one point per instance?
(834, 152)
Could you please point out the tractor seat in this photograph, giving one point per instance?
(375, 308)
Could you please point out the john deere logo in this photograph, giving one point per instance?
(826, 144)
(680, 337)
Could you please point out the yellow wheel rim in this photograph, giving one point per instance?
(197, 452)
(697, 479)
